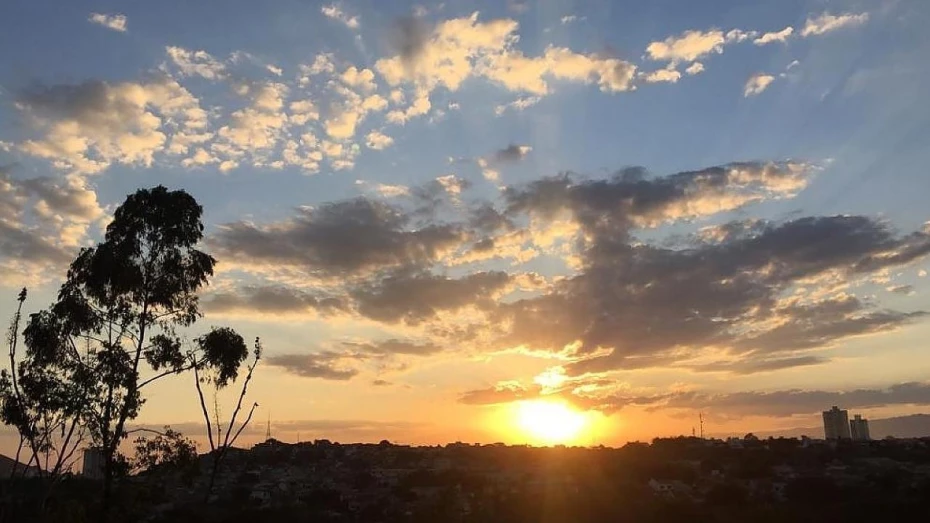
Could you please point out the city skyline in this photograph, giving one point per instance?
(544, 222)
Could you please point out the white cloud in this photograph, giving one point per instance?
(116, 22)
(567, 19)
(695, 68)
(689, 46)
(275, 70)
(335, 12)
(86, 128)
(259, 125)
(199, 63)
(778, 36)
(826, 22)
(452, 184)
(377, 140)
(341, 156)
(792, 65)
(302, 111)
(363, 80)
(322, 64)
(344, 117)
(385, 190)
(739, 36)
(457, 49)
(518, 72)
(518, 105)
(757, 83)
(669, 75)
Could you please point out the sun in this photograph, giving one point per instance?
(549, 422)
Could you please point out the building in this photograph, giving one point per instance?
(835, 423)
(93, 463)
(859, 428)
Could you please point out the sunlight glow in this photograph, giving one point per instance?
(549, 422)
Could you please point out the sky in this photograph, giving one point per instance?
(436, 214)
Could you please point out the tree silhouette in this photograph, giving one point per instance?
(204, 375)
(117, 315)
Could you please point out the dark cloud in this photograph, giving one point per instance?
(510, 154)
(86, 102)
(649, 301)
(795, 402)
(393, 346)
(348, 359)
(501, 393)
(20, 244)
(325, 365)
(721, 405)
(764, 365)
(408, 39)
(416, 297)
(759, 291)
(35, 214)
(901, 289)
(381, 383)
(338, 239)
(271, 299)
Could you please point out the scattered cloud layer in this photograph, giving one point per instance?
(743, 296)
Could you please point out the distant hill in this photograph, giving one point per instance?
(913, 426)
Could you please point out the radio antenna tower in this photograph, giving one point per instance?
(701, 418)
(268, 427)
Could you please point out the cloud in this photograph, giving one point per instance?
(738, 296)
(87, 127)
(510, 154)
(324, 365)
(762, 365)
(385, 190)
(567, 19)
(454, 50)
(517, 105)
(199, 63)
(662, 75)
(116, 22)
(272, 300)
(259, 125)
(607, 397)
(825, 23)
(505, 392)
(778, 36)
(347, 359)
(906, 290)
(43, 221)
(689, 46)
(377, 140)
(413, 298)
(337, 239)
(695, 68)
(335, 12)
(799, 402)
(757, 83)
(363, 80)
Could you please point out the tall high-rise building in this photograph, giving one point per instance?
(859, 428)
(93, 463)
(835, 423)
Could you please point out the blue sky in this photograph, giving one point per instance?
(264, 110)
